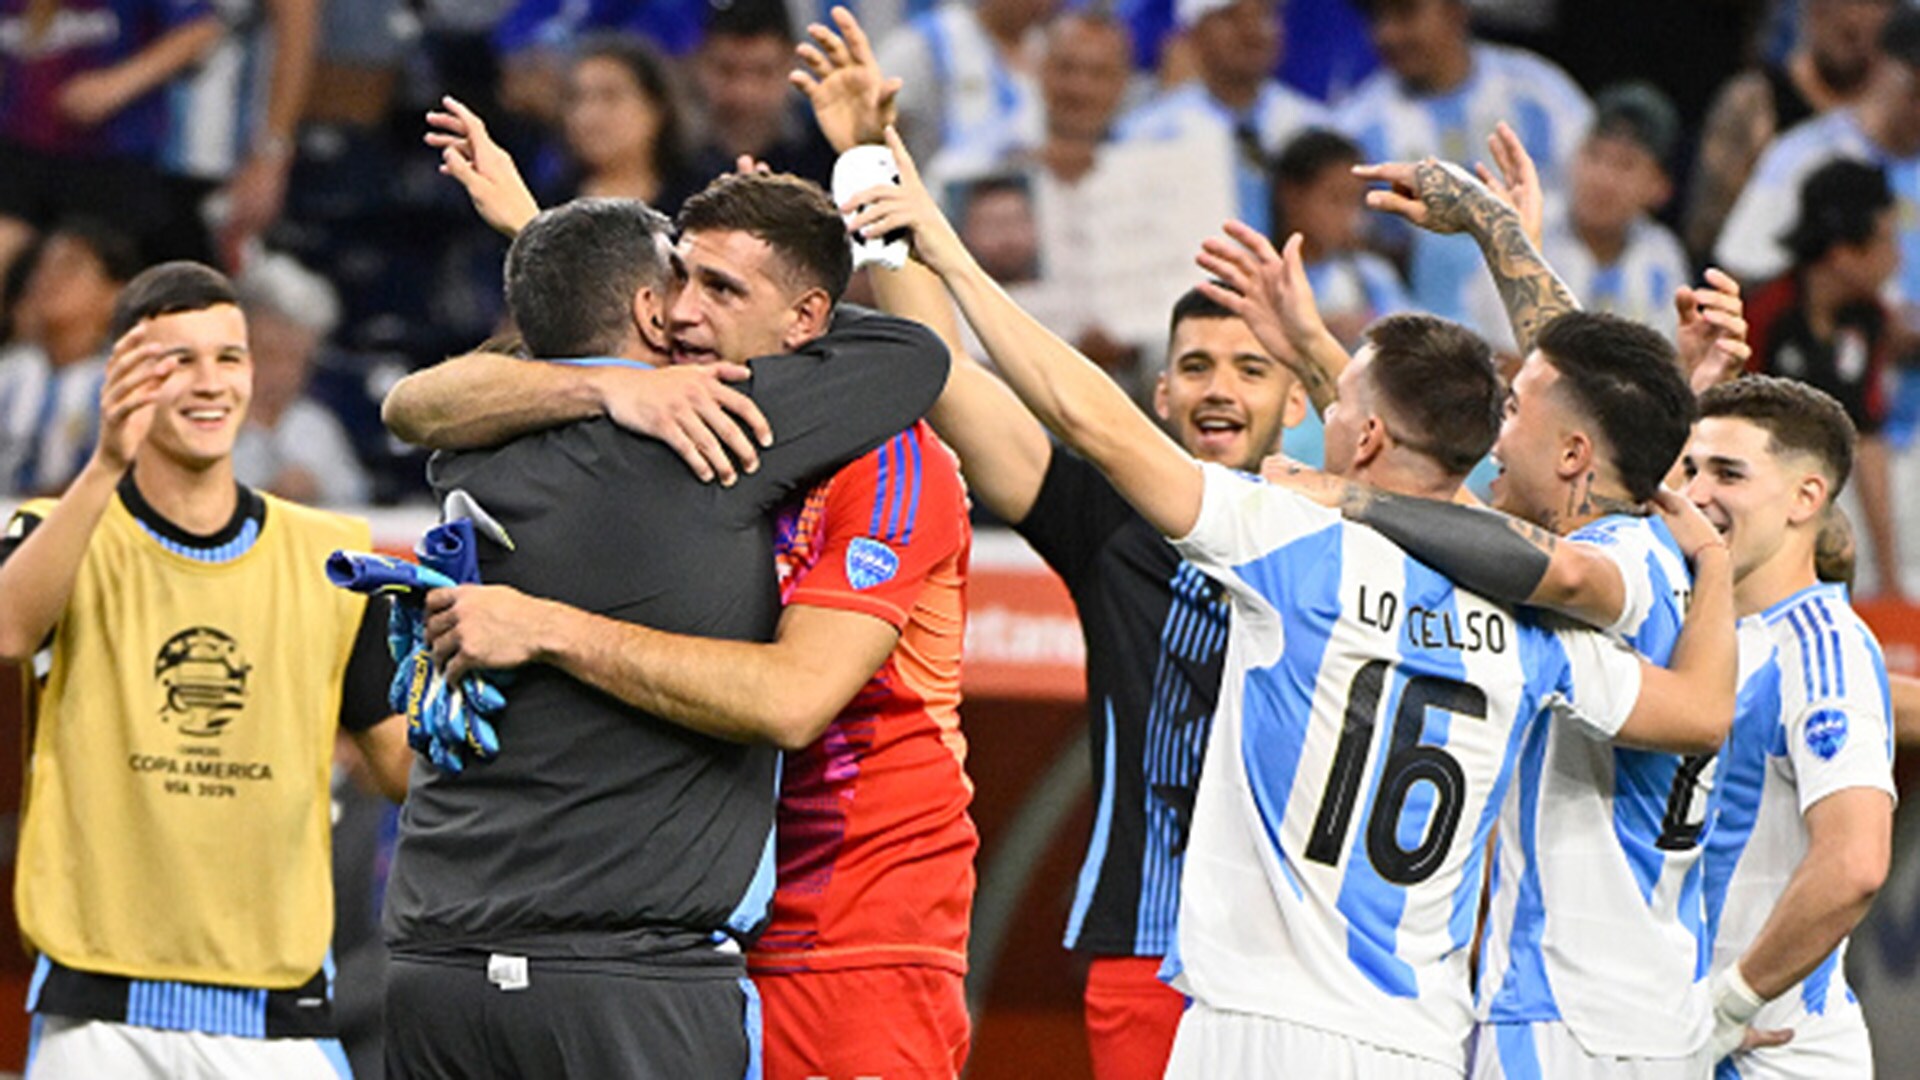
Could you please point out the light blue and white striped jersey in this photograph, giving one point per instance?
(1596, 918)
(1638, 285)
(960, 90)
(1749, 246)
(214, 106)
(1546, 108)
(1278, 113)
(1370, 717)
(1813, 719)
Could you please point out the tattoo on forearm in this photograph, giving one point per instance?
(1534, 296)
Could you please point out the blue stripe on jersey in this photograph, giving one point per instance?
(1175, 739)
(913, 496)
(881, 472)
(940, 49)
(1740, 778)
(1726, 1070)
(336, 1056)
(1535, 128)
(227, 552)
(1373, 906)
(1097, 847)
(1813, 992)
(1519, 1058)
(1277, 711)
(41, 969)
(1525, 990)
(1879, 677)
(1466, 898)
(1833, 644)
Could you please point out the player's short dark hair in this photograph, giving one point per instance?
(1797, 418)
(1194, 304)
(1626, 379)
(1840, 203)
(1313, 152)
(573, 271)
(794, 216)
(169, 289)
(1900, 35)
(1436, 379)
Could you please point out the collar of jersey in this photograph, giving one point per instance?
(1821, 588)
(602, 361)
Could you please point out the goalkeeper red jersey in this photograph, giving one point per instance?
(875, 847)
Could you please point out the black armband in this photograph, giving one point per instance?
(1491, 553)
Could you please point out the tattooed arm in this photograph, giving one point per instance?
(1445, 198)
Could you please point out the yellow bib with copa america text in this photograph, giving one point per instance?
(177, 821)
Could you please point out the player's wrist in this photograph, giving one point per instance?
(1734, 998)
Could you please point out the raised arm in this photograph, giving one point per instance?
(36, 581)
(1004, 452)
(258, 190)
(1065, 390)
(1445, 198)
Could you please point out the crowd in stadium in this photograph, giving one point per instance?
(1643, 278)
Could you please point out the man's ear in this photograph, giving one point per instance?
(648, 319)
(1809, 500)
(1295, 410)
(807, 318)
(1576, 456)
(1373, 440)
(1161, 408)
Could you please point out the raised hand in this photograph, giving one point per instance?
(1690, 528)
(1712, 338)
(469, 155)
(881, 209)
(1518, 182)
(1438, 196)
(853, 101)
(1268, 289)
(136, 372)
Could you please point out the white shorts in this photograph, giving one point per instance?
(62, 1048)
(1216, 1045)
(1835, 1048)
(1548, 1050)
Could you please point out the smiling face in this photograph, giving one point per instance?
(732, 303)
(1222, 396)
(1531, 446)
(1753, 495)
(203, 403)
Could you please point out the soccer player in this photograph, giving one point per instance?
(1329, 889)
(1595, 937)
(174, 855)
(860, 682)
(1154, 626)
(1804, 793)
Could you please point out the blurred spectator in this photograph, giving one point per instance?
(996, 222)
(625, 128)
(228, 135)
(1317, 196)
(969, 74)
(1604, 242)
(742, 69)
(82, 119)
(1442, 93)
(1829, 68)
(291, 444)
(1882, 127)
(1823, 324)
(536, 38)
(50, 373)
(1236, 46)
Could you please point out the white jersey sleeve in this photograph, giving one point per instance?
(1242, 518)
(1839, 737)
(1602, 686)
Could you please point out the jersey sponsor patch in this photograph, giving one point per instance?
(1826, 733)
(870, 563)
